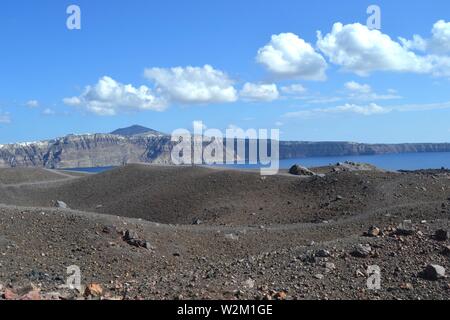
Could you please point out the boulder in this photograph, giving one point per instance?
(361, 251)
(231, 236)
(249, 283)
(322, 253)
(130, 235)
(446, 250)
(133, 239)
(94, 290)
(441, 235)
(433, 272)
(373, 232)
(61, 204)
(405, 228)
(300, 171)
(329, 266)
(319, 276)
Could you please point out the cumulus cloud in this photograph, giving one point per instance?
(193, 85)
(32, 104)
(439, 43)
(109, 97)
(361, 50)
(259, 92)
(416, 43)
(441, 65)
(289, 56)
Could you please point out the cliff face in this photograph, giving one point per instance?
(290, 150)
(87, 151)
(75, 151)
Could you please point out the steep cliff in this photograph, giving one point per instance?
(90, 150)
(138, 145)
(325, 149)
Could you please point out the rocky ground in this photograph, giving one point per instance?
(151, 232)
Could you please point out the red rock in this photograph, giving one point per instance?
(32, 295)
(94, 290)
(9, 295)
(280, 295)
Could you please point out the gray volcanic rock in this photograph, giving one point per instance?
(61, 204)
(433, 272)
(361, 251)
(229, 256)
(300, 171)
(442, 235)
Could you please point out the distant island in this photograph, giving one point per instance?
(138, 144)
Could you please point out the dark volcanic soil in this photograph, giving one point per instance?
(253, 237)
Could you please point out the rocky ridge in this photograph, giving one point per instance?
(138, 144)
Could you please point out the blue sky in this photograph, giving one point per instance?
(252, 64)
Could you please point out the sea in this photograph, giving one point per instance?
(393, 162)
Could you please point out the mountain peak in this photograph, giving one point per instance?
(135, 130)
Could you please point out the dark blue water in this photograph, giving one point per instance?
(91, 170)
(404, 161)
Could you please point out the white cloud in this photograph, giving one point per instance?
(73, 101)
(441, 65)
(32, 104)
(365, 110)
(193, 85)
(358, 91)
(289, 56)
(294, 89)
(259, 92)
(322, 99)
(48, 112)
(357, 87)
(109, 97)
(360, 50)
(423, 107)
(417, 43)
(199, 125)
(439, 43)
(279, 124)
(368, 110)
(232, 126)
(5, 118)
